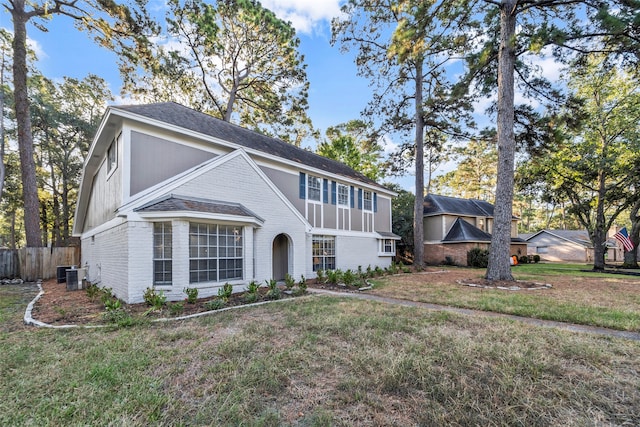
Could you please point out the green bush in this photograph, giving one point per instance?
(274, 290)
(215, 304)
(536, 258)
(154, 299)
(349, 278)
(225, 291)
(176, 308)
(192, 295)
(523, 259)
(478, 257)
(289, 281)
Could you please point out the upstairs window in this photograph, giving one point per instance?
(367, 197)
(343, 195)
(314, 188)
(112, 156)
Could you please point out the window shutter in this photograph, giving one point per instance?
(303, 185)
(325, 191)
(375, 202)
(333, 192)
(352, 198)
(359, 198)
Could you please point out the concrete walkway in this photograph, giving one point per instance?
(594, 330)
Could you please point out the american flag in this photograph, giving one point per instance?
(623, 237)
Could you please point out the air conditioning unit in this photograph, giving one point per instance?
(75, 278)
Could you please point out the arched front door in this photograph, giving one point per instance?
(280, 257)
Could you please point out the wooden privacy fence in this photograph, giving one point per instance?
(31, 264)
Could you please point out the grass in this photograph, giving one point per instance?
(318, 361)
(588, 298)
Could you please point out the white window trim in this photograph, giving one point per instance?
(364, 208)
(381, 247)
(319, 201)
(165, 257)
(111, 167)
(347, 203)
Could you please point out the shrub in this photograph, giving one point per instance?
(449, 261)
(225, 291)
(215, 304)
(320, 276)
(523, 259)
(92, 291)
(119, 317)
(274, 291)
(478, 257)
(112, 304)
(378, 271)
(251, 294)
(154, 299)
(334, 276)
(176, 308)
(192, 295)
(536, 258)
(349, 278)
(289, 281)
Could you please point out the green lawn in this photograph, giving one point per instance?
(588, 298)
(317, 361)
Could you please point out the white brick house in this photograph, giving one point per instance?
(172, 198)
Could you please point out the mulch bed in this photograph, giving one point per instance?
(58, 306)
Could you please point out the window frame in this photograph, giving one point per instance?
(216, 252)
(346, 193)
(112, 156)
(163, 243)
(365, 200)
(323, 252)
(312, 188)
(382, 248)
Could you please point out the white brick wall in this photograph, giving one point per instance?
(107, 255)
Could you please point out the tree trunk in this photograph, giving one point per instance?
(499, 267)
(631, 257)
(418, 212)
(25, 137)
(599, 233)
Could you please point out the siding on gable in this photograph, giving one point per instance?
(288, 184)
(105, 196)
(154, 160)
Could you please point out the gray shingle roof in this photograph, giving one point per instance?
(580, 237)
(172, 203)
(181, 116)
(436, 205)
(462, 231)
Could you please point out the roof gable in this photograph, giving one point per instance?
(187, 118)
(462, 231)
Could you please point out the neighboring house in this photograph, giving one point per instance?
(173, 198)
(569, 246)
(453, 226)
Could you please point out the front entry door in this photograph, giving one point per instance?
(280, 257)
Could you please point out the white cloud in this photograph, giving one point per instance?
(305, 15)
(388, 146)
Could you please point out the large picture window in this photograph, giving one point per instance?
(343, 195)
(324, 253)
(162, 246)
(314, 188)
(215, 253)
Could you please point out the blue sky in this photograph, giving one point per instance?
(336, 93)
